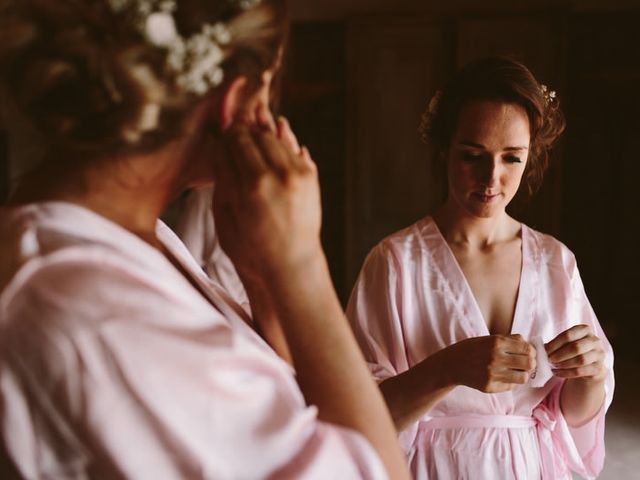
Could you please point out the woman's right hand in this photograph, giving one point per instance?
(491, 364)
(267, 201)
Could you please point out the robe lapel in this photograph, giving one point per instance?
(461, 293)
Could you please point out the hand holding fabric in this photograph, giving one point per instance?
(577, 353)
(491, 364)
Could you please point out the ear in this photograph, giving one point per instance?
(232, 102)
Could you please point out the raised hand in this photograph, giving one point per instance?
(267, 200)
(577, 353)
(286, 134)
(491, 364)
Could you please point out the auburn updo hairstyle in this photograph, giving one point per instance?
(504, 80)
(93, 86)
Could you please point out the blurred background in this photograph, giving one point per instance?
(358, 75)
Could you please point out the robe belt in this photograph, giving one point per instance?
(541, 419)
(477, 421)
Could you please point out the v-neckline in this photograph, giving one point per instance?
(466, 287)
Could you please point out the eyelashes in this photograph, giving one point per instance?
(513, 159)
(471, 157)
(474, 157)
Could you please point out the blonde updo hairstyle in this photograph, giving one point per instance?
(504, 80)
(94, 86)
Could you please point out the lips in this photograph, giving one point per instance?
(485, 197)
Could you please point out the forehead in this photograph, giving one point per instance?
(493, 124)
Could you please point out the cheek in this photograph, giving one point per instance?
(459, 173)
(515, 175)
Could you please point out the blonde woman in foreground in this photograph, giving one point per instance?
(119, 358)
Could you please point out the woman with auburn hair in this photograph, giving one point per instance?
(477, 327)
(119, 357)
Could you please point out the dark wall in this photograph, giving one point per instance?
(4, 166)
(601, 177)
(314, 101)
(338, 10)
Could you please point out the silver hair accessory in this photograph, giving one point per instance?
(430, 114)
(548, 95)
(194, 60)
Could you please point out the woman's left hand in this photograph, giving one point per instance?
(577, 354)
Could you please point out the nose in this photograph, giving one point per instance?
(489, 172)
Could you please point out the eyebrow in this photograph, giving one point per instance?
(466, 143)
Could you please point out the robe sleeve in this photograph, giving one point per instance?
(197, 231)
(100, 372)
(375, 313)
(581, 448)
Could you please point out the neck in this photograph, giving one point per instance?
(131, 192)
(460, 227)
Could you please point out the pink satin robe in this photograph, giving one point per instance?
(197, 230)
(112, 365)
(412, 299)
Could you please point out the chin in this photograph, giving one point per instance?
(479, 210)
(473, 207)
(485, 213)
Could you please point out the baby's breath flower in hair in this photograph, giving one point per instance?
(195, 60)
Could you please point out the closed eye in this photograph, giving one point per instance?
(471, 157)
(513, 159)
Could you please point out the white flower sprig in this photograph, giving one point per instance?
(548, 95)
(194, 60)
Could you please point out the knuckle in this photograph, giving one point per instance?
(310, 164)
(289, 179)
(237, 129)
(261, 186)
(531, 363)
(488, 369)
(494, 360)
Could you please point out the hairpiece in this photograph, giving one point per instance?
(548, 95)
(430, 114)
(194, 60)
